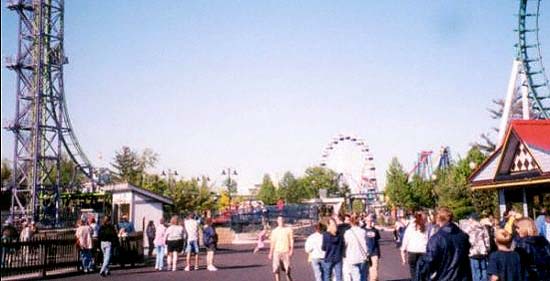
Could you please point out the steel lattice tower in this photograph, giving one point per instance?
(39, 124)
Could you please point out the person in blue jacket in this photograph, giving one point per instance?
(333, 245)
(447, 252)
(534, 251)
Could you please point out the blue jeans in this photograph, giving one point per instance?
(159, 250)
(479, 269)
(192, 247)
(86, 259)
(357, 272)
(329, 267)
(106, 249)
(317, 266)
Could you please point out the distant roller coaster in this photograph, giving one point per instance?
(42, 127)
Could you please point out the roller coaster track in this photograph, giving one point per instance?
(72, 146)
(530, 55)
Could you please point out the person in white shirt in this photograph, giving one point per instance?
(192, 230)
(356, 252)
(315, 252)
(174, 241)
(415, 242)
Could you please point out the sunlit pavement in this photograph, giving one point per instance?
(237, 263)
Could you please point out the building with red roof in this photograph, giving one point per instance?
(519, 168)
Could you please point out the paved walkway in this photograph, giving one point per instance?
(237, 263)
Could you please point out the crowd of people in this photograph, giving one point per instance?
(345, 248)
(179, 235)
(435, 247)
(167, 242)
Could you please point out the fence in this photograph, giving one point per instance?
(48, 252)
(292, 213)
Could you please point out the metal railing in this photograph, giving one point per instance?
(292, 213)
(56, 251)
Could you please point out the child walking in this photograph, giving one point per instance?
(261, 238)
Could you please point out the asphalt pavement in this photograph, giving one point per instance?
(238, 263)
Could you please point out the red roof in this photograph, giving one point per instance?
(534, 133)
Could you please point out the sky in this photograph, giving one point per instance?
(263, 86)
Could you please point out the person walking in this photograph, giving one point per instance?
(540, 220)
(126, 224)
(83, 236)
(447, 253)
(95, 242)
(415, 240)
(480, 246)
(314, 249)
(262, 235)
(281, 249)
(160, 244)
(192, 230)
(210, 240)
(150, 231)
(373, 245)
(26, 236)
(503, 263)
(108, 239)
(356, 254)
(534, 251)
(174, 241)
(333, 245)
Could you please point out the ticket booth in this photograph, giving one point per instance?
(140, 205)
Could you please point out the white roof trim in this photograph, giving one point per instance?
(123, 187)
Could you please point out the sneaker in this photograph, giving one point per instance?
(196, 267)
(212, 268)
(187, 268)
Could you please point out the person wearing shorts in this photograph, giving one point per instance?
(280, 251)
(174, 241)
(210, 239)
(192, 230)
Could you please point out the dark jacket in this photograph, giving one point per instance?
(333, 245)
(209, 236)
(108, 233)
(151, 231)
(373, 237)
(534, 252)
(446, 256)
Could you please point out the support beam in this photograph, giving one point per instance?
(508, 101)
(501, 202)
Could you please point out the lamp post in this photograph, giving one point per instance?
(229, 172)
(169, 175)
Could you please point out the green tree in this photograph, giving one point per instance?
(398, 191)
(191, 196)
(231, 186)
(130, 166)
(287, 190)
(422, 193)
(451, 185)
(318, 178)
(267, 192)
(6, 173)
(223, 201)
(127, 166)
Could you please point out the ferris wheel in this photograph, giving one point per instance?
(353, 160)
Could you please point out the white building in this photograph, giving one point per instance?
(139, 204)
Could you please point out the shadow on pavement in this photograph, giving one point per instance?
(240, 266)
